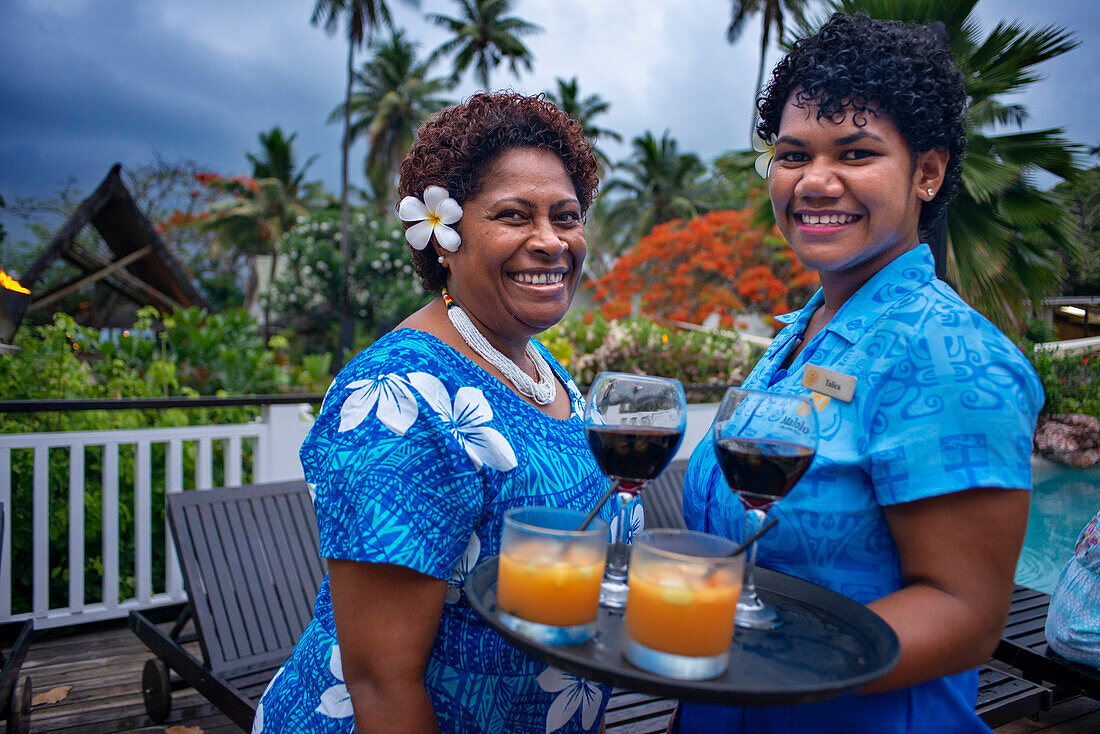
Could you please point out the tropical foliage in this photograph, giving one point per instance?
(588, 344)
(656, 184)
(384, 288)
(394, 92)
(773, 15)
(719, 263)
(360, 18)
(1082, 192)
(187, 354)
(1070, 384)
(276, 159)
(584, 110)
(484, 36)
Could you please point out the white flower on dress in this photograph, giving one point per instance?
(336, 701)
(466, 418)
(432, 217)
(635, 524)
(258, 719)
(574, 693)
(465, 565)
(575, 397)
(391, 393)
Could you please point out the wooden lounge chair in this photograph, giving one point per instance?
(249, 559)
(1003, 696)
(15, 692)
(1024, 646)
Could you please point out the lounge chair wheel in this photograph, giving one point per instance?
(19, 707)
(156, 689)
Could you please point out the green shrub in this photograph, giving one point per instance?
(1071, 384)
(186, 354)
(588, 344)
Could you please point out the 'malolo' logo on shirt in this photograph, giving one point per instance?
(795, 424)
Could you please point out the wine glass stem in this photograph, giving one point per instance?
(618, 562)
(755, 517)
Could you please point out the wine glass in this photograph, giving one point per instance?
(764, 442)
(634, 425)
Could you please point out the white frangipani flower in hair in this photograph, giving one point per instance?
(767, 149)
(432, 217)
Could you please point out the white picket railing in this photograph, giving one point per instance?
(275, 440)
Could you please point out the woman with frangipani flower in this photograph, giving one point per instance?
(428, 436)
(915, 503)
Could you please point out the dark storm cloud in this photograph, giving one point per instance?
(86, 83)
(108, 81)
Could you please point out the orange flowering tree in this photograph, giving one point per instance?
(720, 262)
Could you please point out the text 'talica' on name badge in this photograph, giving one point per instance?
(827, 382)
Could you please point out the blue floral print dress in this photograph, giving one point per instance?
(414, 458)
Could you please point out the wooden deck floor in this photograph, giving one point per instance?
(98, 671)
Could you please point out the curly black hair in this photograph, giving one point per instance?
(456, 146)
(857, 65)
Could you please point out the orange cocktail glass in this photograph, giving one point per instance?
(548, 579)
(681, 605)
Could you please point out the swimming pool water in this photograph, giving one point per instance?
(1062, 502)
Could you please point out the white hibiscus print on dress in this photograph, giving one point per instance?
(575, 397)
(465, 565)
(336, 701)
(391, 393)
(636, 523)
(574, 693)
(258, 719)
(466, 419)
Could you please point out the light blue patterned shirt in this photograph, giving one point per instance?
(415, 457)
(943, 402)
(1073, 619)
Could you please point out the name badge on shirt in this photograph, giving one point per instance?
(834, 384)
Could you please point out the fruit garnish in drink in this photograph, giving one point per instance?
(541, 582)
(682, 609)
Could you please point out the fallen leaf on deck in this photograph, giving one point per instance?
(54, 695)
(183, 730)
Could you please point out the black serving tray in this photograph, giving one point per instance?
(828, 645)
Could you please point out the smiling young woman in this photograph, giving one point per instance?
(847, 193)
(933, 440)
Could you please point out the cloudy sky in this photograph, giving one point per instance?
(86, 83)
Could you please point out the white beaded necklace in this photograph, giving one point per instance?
(542, 392)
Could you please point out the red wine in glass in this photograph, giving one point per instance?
(762, 470)
(763, 442)
(633, 454)
(633, 425)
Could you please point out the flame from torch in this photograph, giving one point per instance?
(9, 283)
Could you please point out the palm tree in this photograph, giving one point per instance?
(484, 37)
(394, 95)
(276, 160)
(361, 19)
(1005, 236)
(772, 15)
(251, 221)
(261, 209)
(568, 99)
(660, 183)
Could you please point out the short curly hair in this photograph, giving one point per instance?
(857, 65)
(456, 146)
